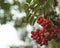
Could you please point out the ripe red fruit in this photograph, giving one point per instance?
(46, 43)
(41, 44)
(37, 30)
(37, 39)
(42, 34)
(32, 32)
(43, 24)
(46, 21)
(43, 39)
(52, 33)
(40, 20)
(46, 34)
(32, 36)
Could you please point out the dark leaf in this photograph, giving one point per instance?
(28, 1)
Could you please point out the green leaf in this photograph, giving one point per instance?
(3, 20)
(5, 6)
(30, 19)
(26, 9)
(41, 2)
(28, 1)
(19, 23)
(1, 1)
(33, 21)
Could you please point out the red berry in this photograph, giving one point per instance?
(46, 26)
(52, 33)
(46, 21)
(41, 34)
(32, 32)
(41, 44)
(37, 39)
(37, 30)
(46, 34)
(40, 20)
(32, 36)
(35, 33)
(55, 27)
(43, 39)
(46, 43)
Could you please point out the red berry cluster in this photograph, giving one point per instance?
(46, 34)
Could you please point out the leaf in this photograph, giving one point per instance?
(51, 44)
(19, 23)
(3, 20)
(26, 9)
(33, 21)
(41, 2)
(5, 6)
(30, 19)
(1, 1)
(28, 1)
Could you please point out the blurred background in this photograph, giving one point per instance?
(14, 31)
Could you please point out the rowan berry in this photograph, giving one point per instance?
(46, 34)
